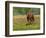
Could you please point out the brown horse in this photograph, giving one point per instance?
(30, 17)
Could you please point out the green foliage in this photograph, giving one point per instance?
(23, 11)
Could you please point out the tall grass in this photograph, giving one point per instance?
(20, 21)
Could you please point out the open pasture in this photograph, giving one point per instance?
(20, 21)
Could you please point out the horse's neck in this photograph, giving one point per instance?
(29, 14)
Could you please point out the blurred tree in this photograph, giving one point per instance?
(23, 11)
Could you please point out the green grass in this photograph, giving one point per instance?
(20, 21)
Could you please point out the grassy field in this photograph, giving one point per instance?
(20, 21)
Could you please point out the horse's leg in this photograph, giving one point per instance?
(30, 20)
(33, 18)
(27, 22)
